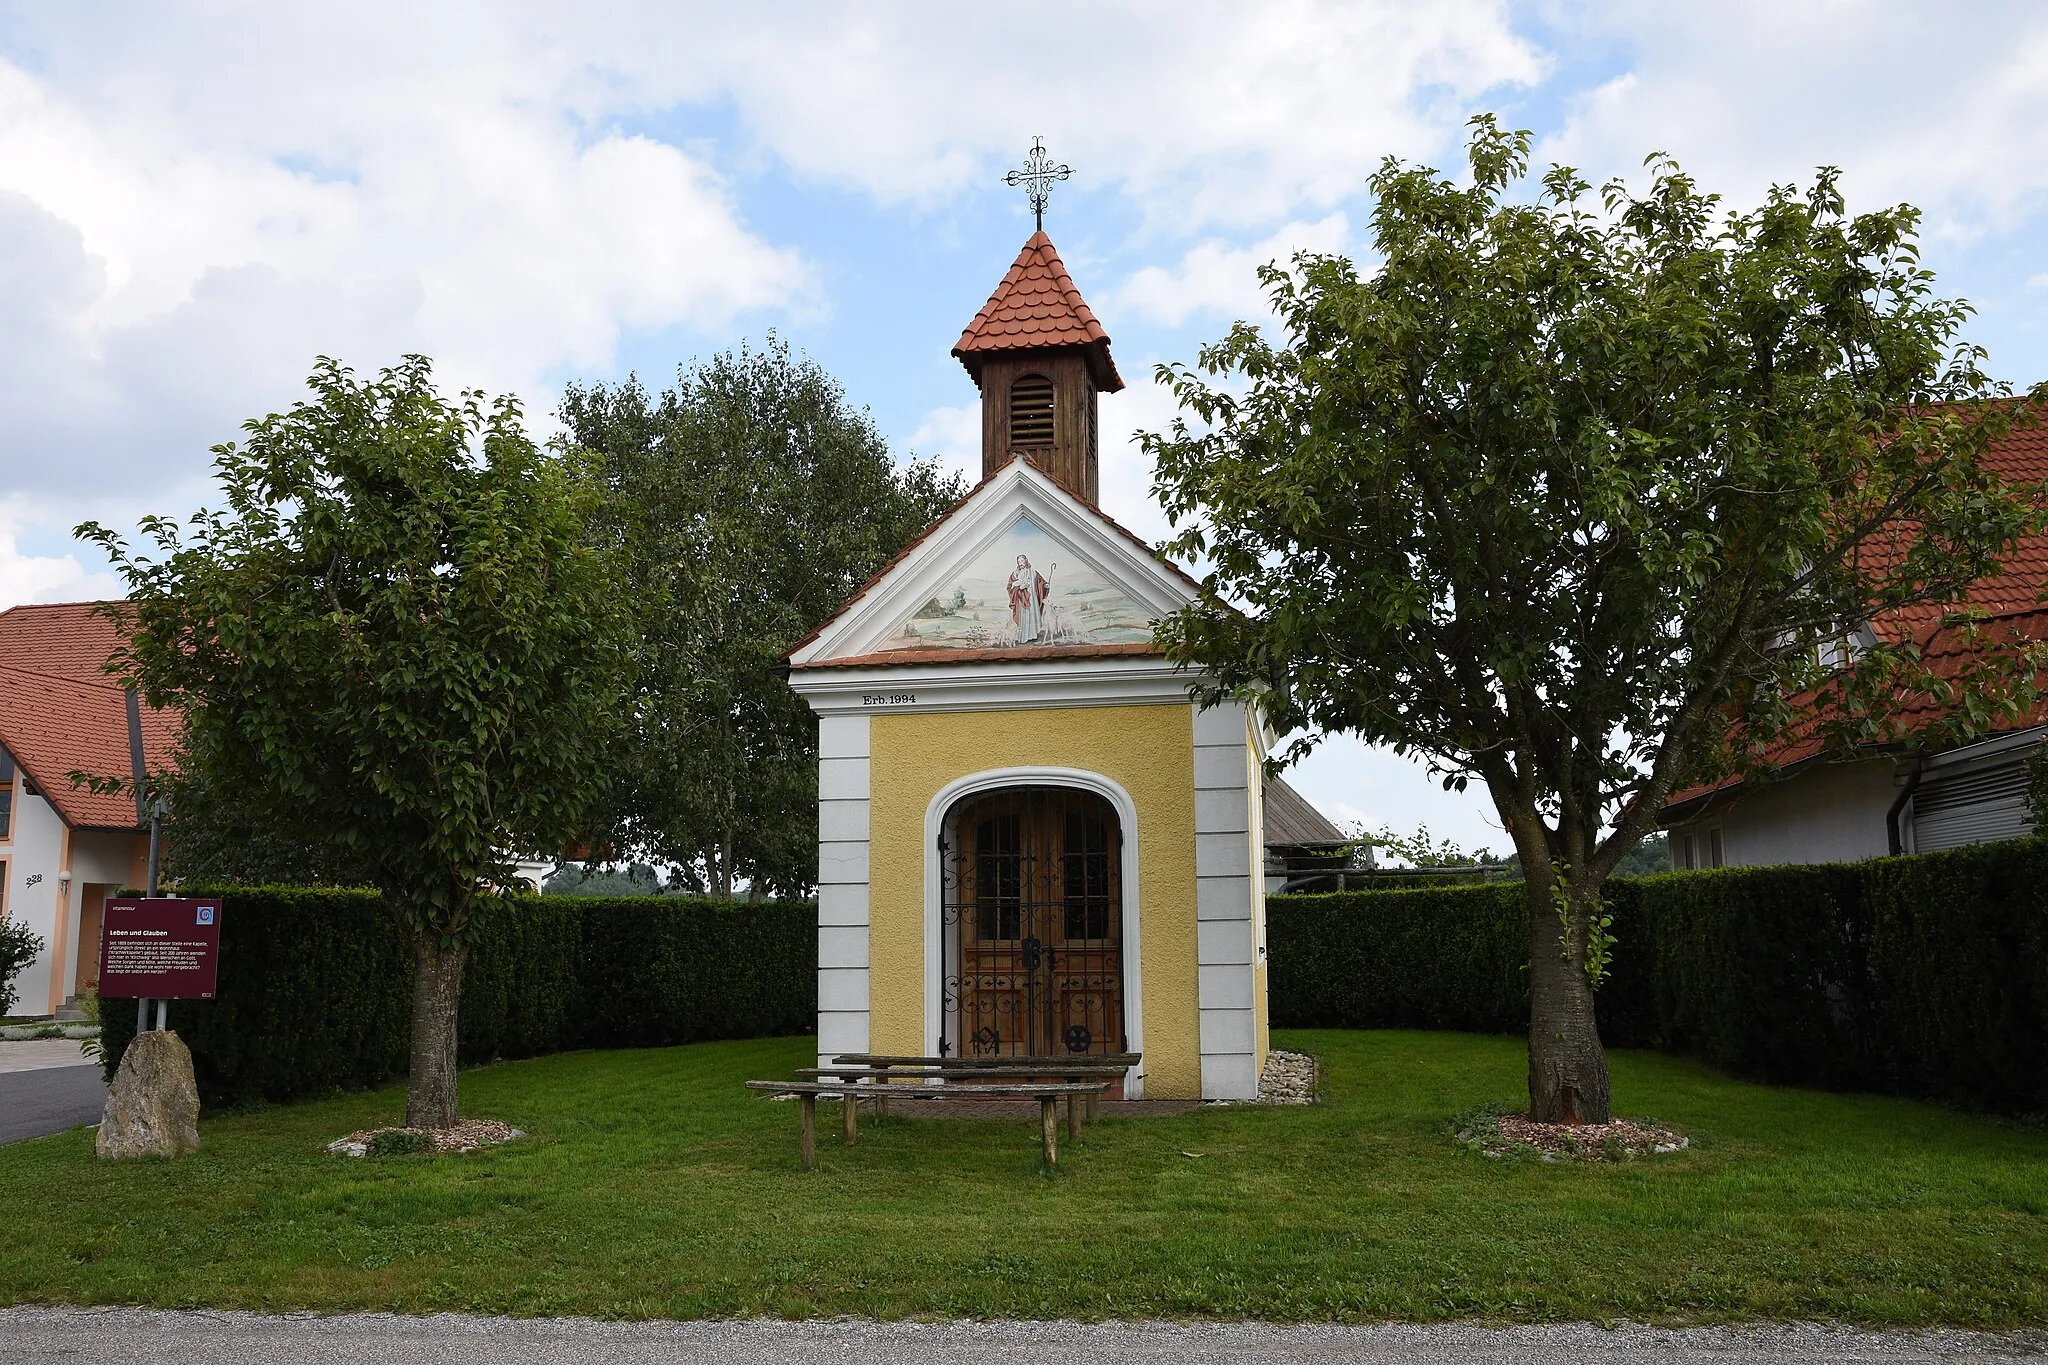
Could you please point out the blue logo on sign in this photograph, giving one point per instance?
(206, 914)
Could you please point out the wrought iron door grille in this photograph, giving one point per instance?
(1032, 914)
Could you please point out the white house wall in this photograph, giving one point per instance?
(842, 885)
(1226, 905)
(1828, 813)
(33, 863)
(97, 856)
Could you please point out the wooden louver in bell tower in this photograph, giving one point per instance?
(1040, 358)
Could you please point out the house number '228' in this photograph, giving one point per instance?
(888, 699)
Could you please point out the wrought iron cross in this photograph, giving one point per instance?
(1037, 176)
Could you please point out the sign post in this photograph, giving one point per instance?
(163, 949)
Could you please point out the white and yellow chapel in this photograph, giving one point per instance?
(1031, 840)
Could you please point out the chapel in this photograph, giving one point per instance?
(1031, 841)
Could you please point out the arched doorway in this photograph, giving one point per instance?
(1032, 924)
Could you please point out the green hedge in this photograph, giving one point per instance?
(1959, 959)
(315, 985)
(1761, 971)
(1433, 957)
(1921, 975)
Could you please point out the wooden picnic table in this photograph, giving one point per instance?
(1052, 1063)
(979, 1078)
(1056, 1065)
(807, 1093)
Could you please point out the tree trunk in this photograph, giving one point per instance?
(1567, 1065)
(436, 994)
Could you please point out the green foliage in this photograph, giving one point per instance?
(1421, 849)
(220, 832)
(1567, 481)
(19, 946)
(399, 1142)
(1959, 956)
(397, 636)
(1646, 859)
(1763, 971)
(2037, 786)
(315, 989)
(1924, 975)
(1403, 879)
(747, 504)
(598, 879)
(1436, 957)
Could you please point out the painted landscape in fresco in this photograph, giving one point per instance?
(1024, 591)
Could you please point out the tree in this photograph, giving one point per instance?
(748, 503)
(1585, 497)
(219, 832)
(20, 946)
(399, 638)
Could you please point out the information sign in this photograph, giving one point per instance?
(159, 949)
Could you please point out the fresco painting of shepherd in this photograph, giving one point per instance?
(1028, 591)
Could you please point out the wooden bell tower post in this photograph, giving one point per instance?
(1040, 358)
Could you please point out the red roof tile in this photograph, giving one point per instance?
(55, 726)
(1037, 307)
(2010, 603)
(895, 658)
(63, 639)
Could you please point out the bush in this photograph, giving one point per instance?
(1923, 975)
(315, 990)
(399, 1142)
(1435, 957)
(1762, 971)
(1959, 960)
(19, 946)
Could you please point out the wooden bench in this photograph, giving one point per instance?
(807, 1093)
(980, 1078)
(1013, 1066)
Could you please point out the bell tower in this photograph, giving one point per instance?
(1040, 358)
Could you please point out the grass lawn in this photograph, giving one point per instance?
(653, 1186)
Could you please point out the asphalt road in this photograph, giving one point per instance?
(48, 1096)
(94, 1335)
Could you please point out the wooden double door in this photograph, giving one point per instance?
(1033, 918)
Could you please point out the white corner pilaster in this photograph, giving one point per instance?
(842, 885)
(1227, 877)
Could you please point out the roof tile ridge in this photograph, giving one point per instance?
(68, 679)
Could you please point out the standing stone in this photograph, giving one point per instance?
(153, 1104)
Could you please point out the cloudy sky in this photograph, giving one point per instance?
(196, 200)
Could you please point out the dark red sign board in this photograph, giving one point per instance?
(162, 949)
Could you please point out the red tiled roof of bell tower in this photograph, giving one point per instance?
(1037, 308)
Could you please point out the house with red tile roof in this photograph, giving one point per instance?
(63, 847)
(1822, 807)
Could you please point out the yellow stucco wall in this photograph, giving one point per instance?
(1147, 750)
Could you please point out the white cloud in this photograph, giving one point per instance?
(952, 436)
(43, 578)
(1216, 277)
(1915, 102)
(1204, 110)
(184, 242)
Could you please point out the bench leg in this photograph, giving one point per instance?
(807, 1131)
(849, 1122)
(1049, 1130)
(1091, 1109)
(1073, 1118)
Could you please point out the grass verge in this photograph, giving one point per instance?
(653, 1186)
